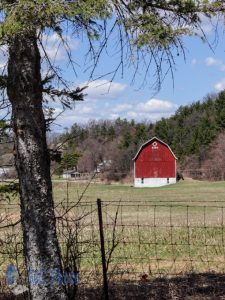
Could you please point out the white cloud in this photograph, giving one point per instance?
(153, 110)
(122, 107)
(114, 116)
(194, 61)
(85, 109)
(222, 67)
(100, 89)
(56, 48)
(79, 108)
(132, 114)
(219, 86)
(92, 108)
(69, 117)
(156, 106)
(211, 61)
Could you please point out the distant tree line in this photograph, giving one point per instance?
(111, 144)
(196, 135)
(191, 133)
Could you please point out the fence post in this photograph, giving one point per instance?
(104, 268)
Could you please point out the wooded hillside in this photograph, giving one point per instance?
(195, 133)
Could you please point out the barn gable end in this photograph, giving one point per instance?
(154, 164)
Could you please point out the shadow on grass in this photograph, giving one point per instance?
(191, 286)
(202, 286)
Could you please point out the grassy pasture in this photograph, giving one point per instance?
(159, 231)
(169, 230)
(185, 191)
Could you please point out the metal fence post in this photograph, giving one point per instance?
(104, 268)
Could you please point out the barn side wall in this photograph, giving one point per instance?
(153, 182)
(155, 161)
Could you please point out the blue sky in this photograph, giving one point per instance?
(202, 73)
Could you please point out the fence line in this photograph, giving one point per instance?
(142, 239)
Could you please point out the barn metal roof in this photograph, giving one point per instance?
(149, 141)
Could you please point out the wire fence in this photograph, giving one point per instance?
(130, 242)
(145, 241)
(165, 239)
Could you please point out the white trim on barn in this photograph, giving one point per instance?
(153, 182)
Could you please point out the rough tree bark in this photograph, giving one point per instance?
(41, 246)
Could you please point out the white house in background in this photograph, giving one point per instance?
(71, 174)
(6, 171)
(104, 166)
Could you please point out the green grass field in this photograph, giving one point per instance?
(159, 231)
(186, 191)
(169, 230)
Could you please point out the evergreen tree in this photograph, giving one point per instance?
(69, 160)
(220, 110)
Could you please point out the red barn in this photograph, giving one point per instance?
(154, 164)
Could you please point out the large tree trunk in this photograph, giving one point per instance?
(41, 247)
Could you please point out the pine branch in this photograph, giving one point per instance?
(66, 96)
